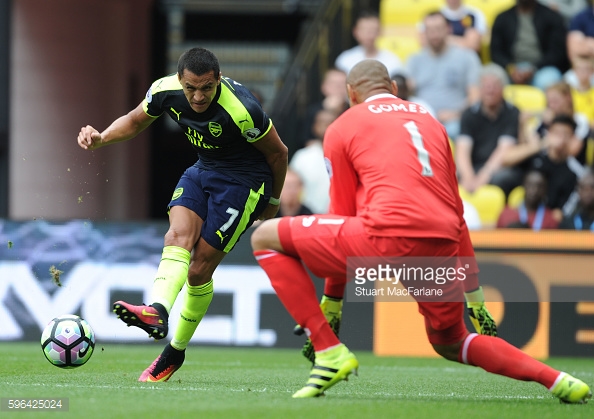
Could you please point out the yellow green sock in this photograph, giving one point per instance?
(171, 275)
(196, 303)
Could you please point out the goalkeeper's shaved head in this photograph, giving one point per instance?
(369, 78)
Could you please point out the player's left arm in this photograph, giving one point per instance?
(277, 157)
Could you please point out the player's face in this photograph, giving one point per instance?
(200, 90)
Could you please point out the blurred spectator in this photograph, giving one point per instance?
(445, 76)
(291, 196)
(334, 98)
(560, 102)
(488, 129)
(551, 155)
(468, 25)
(583, 217)
(571, 77)
(580, 39)
(366, 31)
(404, 93)
(309, 164)
(532, 213)
(529, 41)
(566, 8)
(582, 92)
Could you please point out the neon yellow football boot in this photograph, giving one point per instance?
(571, 390)
(329, 368)
(332, 309)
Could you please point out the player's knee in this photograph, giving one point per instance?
(449, 352)
(179, 237)
(263, 237)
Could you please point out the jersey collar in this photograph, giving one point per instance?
(380, 96)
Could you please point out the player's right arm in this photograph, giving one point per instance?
(124, 128)
(343, 178)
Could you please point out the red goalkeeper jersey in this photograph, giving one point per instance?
(390, 163)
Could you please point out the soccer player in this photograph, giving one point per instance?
(393, 178)
(237, 179)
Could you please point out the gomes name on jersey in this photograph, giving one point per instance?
(404, 107)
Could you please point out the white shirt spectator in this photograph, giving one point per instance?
(308, 163)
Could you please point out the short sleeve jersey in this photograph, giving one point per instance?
(222, 135)
(390, 163)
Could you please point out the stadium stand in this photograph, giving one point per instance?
(406, 12)
(400, 34)
(400, 19)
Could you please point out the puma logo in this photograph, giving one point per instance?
(221, 235)
(175, 112)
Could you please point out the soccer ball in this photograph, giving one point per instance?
(68, 341)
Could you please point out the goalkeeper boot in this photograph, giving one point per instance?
(571, 390)
(164, 366)
(329, 368)
(480, 317)
(332, 309)
(148, 318)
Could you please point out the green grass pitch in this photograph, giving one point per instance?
(258, 383)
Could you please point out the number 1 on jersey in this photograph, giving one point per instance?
(422, 153)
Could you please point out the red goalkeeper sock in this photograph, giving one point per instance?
(334, 288)
(296, 291)
(497, 356)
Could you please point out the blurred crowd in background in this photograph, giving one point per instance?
(513, 84)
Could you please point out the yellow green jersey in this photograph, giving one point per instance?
(222, 135)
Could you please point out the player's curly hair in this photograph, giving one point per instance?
(199, 61)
